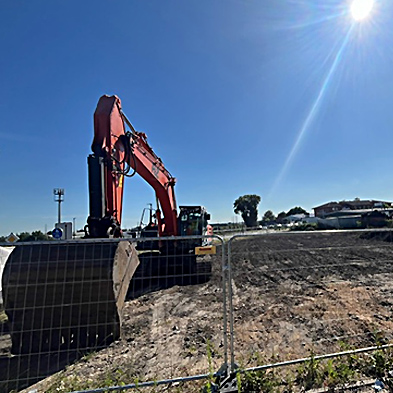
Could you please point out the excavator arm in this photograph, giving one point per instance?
(115, 153)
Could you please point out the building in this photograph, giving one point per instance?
(295, 218)
(343, 207)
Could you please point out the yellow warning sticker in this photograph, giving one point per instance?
(205, 250)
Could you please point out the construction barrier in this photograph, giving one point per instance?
(66, 299)
(164, 314)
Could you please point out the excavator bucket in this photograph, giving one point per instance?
(66, 296)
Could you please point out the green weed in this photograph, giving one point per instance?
(259, 381)
(309, 374)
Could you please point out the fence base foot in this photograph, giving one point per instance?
(229, 385)
(225, 381)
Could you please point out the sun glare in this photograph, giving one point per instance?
(360, 9)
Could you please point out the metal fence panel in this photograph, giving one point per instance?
(277, 297)
(65, 304)
(296, 294)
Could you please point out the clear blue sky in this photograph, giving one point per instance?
(281, 98)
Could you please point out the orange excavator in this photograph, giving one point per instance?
(69, 295)
(117, 154)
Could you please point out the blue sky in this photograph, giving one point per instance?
(287, 99)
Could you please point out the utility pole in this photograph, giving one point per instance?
(59, 197)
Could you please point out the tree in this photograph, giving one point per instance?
(281, 216)
(297, 210)
(34, 236)
(268, 217)
(247, 205)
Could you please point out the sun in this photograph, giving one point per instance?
(361, 9)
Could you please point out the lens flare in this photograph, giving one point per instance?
(311, 114)
(361, 9)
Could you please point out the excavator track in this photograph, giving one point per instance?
(66, 296)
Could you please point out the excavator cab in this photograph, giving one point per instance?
(193, 220)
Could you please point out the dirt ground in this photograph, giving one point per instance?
(293, 293)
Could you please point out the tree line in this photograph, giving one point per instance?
(247, 207)
(28, 237)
